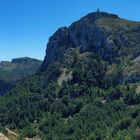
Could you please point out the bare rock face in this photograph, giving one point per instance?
(104, 34)
(87, 35)
(58, 43)
(91, 37)
(83, 34)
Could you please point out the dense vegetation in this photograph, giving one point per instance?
(81, 94)
(86, 107)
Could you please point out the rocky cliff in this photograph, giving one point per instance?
(102, 33)
(105, 35)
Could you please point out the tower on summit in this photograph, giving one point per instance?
(98, 10)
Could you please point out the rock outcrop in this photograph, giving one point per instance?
(103, 34)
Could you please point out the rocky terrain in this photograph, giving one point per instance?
(112, 38)
(87, 87)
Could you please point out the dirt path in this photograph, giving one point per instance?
(14, 136)
(11, 135)
(11, 132)
(3, 137)
(35, 138)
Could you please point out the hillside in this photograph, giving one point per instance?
(88, 87)
(17, 69)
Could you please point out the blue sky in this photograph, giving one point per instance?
(25, 25)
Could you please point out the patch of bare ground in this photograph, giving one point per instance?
(34, 138)
(65, 76)
(3, 137)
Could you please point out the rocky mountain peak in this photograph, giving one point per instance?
(99, 14)
(98, 32)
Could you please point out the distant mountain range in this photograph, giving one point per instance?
(12, 72)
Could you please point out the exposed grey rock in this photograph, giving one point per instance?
(59, 42)
(87, 35)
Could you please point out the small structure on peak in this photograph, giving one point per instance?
(98, 10)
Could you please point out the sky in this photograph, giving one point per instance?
(26, 25)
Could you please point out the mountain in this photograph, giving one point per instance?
(18, 68)
(106, 35)
(88, 87)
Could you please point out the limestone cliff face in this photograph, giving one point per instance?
(104, 34)
(59, 42)
(86, 33)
